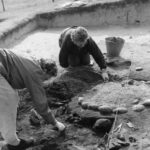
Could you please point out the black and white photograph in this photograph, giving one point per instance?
(74, 74)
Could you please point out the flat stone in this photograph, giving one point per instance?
(138, 68)
(93, 107)
(146, 102)
(138, 108)
(105, 110)
(120, 110)
(136, 101)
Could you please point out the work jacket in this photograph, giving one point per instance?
(22, 73)
(67, 47)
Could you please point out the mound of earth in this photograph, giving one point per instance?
(72, 81)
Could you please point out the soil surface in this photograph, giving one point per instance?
(86, 126)
(85, 84)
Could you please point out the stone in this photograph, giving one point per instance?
(84, 105)
(80, 100)
(102, 124)
(93, 107)
(120, 110)
(138, 108)
(136, 101)
(146, 102)
(138, 68)
(131, 82)
(105, 110)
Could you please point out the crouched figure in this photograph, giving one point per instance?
(76, 46)
(17, 72)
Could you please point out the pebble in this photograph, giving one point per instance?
(105, 110)
(146, 102)
(121, 137)
(136, 101)
(138, 108)
(80, 100)
(138, 68)
(120, 110)
(84, 105)
(131, 82)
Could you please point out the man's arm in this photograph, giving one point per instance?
(34, 85)
(63, 55)
(96, 53)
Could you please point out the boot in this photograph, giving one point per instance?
(24, 144)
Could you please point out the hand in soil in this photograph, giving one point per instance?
(61, 127)
(105, 76)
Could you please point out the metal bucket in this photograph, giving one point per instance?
(114, 46)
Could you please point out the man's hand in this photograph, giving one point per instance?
(105, 75)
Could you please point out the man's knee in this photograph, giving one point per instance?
(73, 61)
(85, 60)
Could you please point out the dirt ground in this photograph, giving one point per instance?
(70, 85)
(128, 131)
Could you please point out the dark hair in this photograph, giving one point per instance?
(48, 66)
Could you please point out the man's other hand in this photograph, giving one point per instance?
(105, 75)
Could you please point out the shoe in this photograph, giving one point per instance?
(24, 144)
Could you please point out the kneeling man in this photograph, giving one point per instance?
(76, 46)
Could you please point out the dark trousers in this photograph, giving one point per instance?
(75, 61)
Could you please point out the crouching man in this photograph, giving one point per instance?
(16, 73)
(76, 46)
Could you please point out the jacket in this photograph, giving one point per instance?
(22, 73)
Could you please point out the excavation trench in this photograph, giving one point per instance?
(36, 37)
(69, 85)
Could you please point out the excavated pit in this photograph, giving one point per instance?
(36, 37)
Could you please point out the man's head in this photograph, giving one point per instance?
(79, 36)
(48, 66)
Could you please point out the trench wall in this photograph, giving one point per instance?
(119, 12)
(13, 30)
(113, 13)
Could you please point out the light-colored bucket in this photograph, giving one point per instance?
(114, 46)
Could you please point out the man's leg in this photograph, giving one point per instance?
(85, 59)
(73, 61)
(8, 111)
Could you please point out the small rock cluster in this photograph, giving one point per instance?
(104, 109)
(108, 110)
